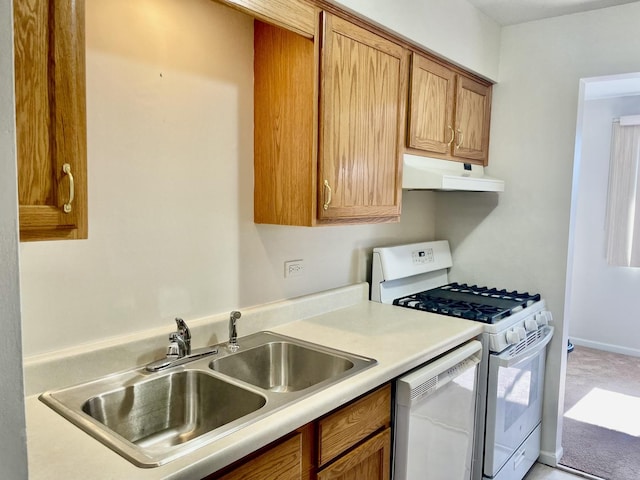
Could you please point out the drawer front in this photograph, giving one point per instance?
(351, 424)
(370, 461)
(283, 461)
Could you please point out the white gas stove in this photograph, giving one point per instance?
(516, 332)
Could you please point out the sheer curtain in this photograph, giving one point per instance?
(623, 198)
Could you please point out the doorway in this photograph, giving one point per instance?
(599, 299)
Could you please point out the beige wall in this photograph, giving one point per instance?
(454, 29)
(170, 145)
(521, 242)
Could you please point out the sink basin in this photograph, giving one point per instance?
(151, 418)
(172, 409)
(282, 366)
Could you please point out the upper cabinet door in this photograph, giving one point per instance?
(362, 105)
(50, 118)
(473, 111)
(449, 113)
(431, 106)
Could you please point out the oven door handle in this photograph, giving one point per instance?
(505, 361)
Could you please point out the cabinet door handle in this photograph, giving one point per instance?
(327, 196)
(459, 144)
(453, 135)
(66, 168)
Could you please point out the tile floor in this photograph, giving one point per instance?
(544, 472)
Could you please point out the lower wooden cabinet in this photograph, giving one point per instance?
(369, 461)
(346, 427)
(283, 461)
(350, 443)
(354, 442)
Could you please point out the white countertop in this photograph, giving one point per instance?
(398, 338)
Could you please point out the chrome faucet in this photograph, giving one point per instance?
(233, 332)
(179, 349)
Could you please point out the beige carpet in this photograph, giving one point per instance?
(602, 388)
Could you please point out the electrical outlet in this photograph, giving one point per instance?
(293, 268)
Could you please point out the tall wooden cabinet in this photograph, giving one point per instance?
(285, 106)
(329, 115)
(449, 113)
(361, 117)
(50, 118)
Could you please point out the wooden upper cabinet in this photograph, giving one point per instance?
(473, 111)
(362, 106)
(295, 15)
(449, 113)
(433, 88)
(285, 120)
(328, 125)
(50, 118)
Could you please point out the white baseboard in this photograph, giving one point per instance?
(607, 347)
(551, 458)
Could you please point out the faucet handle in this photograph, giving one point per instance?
(233, 332)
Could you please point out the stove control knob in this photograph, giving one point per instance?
(512, 337)
(531, 325)
(522, 333)
(548, 316)
(541, 319)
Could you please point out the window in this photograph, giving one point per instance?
(623, 198)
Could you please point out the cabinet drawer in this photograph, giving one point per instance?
(283, 461)
(351, 424)
(370, 461)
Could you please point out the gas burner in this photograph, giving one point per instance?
(481, 304)
(491, 292)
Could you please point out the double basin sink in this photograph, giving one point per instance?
(153, 418)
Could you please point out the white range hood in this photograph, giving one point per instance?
(424, 173)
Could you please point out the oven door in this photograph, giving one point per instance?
(514, 400)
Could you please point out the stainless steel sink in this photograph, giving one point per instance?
(282, 365)
(153, 418)
(165, 411)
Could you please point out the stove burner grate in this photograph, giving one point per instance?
(481, 304)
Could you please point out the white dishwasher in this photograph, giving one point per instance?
(435, 417)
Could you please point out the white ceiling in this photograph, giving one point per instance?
(510, 12)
